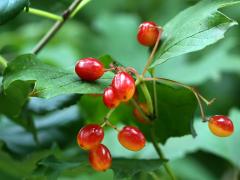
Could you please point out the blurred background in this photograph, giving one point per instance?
(110, 27)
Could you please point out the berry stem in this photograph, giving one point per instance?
(80, 6)
(147, 97)
(150, 59)
(135, 104)
(161, 156)
(42, 13)
(56, 27)
(106, 120)
(194, 91)
(155, 94)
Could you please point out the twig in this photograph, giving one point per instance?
(55, 28)
(42, 13)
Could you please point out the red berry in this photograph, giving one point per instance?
(109, 98)
(148, 33)
(90, 136)
(89, 69)
(123, 86)
(221, 126)
(131, 138)
(138, 115)
(100, 158)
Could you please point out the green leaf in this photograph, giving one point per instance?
(194, 29)
(50, 81)
(10, 8)
(13, 98)
(176, 109)
(22, 167)
(124, 168)
(192, 69)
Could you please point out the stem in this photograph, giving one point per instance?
(161, 156)
(80, 6)
(147, 96)
(155, 95)
(107, 122)
(194, 91)
(135, 104)
(42, 13)
(56, 27)
(150, 59)
(3, 64)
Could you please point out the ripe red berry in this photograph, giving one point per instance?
(100, 158)
(109, 98)
(89, 69)
(138, 115)
(131, 138)
(123, 86)
(221, 126)
(90, 136)
(148, 33)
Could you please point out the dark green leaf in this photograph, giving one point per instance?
(194, 29)
(22, 167)
(176, 108)
(124, 168)
(10, 8)
(50, 81)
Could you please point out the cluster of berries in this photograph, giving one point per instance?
(122, 89)
(90, 137)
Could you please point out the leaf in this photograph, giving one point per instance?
(10, 8)
(194, 29)
(22, 167)
(123, 168)
(50, 81)
(192, 69)
(176, 109)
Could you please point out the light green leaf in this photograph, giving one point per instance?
(10, 8)
(194, 29)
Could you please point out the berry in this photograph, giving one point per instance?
(131, 138)
(109, 98)
(123, 86)
(221, 126)
(148, 33)
(138, 115)
(90, 136)
(100, 158)
(89, 69)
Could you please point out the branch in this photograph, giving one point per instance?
(56, 27)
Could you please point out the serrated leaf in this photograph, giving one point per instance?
(50, 81)
(194, 29)
(10, 8)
